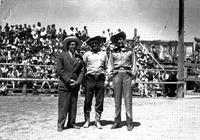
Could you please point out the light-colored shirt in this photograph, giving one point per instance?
(95, 62)
(125, 59)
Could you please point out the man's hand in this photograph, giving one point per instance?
(106, 83)
(133, 82)
(73, 83)
(111, 85)
(133, 75)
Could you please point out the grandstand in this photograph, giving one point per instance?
(28, 58)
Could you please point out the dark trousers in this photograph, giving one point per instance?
(94, 86)
(122, 86)
(67, 105)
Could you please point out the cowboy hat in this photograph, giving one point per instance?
(69, 39)
(96, 38)
(117, 36)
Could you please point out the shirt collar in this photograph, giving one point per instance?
(70, 53)
(94, 52)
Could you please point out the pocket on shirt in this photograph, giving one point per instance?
(115, 73)
(129, 73)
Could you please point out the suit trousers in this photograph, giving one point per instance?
(94, 86)
(122, 86)
(67, 105)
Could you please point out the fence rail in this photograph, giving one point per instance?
(56, 80)
(161, 82)
(27, 79)
(15, 64)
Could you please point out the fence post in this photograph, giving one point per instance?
(24, 89)
(185, 81)
(181, 51)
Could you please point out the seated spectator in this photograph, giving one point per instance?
(45, 84)
(71, 31)
(3, 89)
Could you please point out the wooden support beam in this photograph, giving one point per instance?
(181, 51)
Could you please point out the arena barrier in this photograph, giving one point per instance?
(160, 84)
(195, 70)
(24, 78)
(139, 81)
(27, 79)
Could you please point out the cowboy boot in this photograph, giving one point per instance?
(129, 127)
(87, 120)
(97, 120)
(129, 123)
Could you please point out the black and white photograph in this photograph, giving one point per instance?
(99, 69)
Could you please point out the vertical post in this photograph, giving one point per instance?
(134, 56)
(24, 89)
(135, 38)
(181, 51)
(193, 51)
(135, 32)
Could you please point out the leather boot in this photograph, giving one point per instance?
(129, 127)
(87, 120)
(97, 121)
(115, 126)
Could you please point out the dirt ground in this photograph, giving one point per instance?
(34, 118)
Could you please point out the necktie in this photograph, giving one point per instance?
(72, 57)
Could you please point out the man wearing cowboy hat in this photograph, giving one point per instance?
(95, 61)
(70, 70)
(122, 68)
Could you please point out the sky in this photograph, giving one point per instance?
(154, 19)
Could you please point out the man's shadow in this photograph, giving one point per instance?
(109, 122)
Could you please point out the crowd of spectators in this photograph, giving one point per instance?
(38, 45)
(32, 45)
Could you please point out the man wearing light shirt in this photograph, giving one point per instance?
(122, 68)
(95, 61)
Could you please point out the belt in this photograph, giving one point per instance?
(122, 68)
(96, 76)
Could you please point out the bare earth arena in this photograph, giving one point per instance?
(35, 118)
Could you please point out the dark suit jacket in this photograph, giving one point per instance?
(67, 69)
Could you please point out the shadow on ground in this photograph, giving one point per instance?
(108, 122)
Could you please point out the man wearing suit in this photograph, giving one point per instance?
(70, 69)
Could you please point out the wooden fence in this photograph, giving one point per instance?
(195, 68)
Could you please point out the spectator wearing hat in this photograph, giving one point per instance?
(71, 31)
(95, 61)
(122, 68)
(6, 30)
(70, 70)
(84, 33)
(53, 31)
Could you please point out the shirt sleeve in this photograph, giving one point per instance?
(134, 66)
(85, 57)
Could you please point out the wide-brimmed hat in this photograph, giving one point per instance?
(117, 36)
(96, 38)
(69, 39)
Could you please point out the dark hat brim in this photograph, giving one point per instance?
(96, 38)
(117, 36)
(71, 39)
